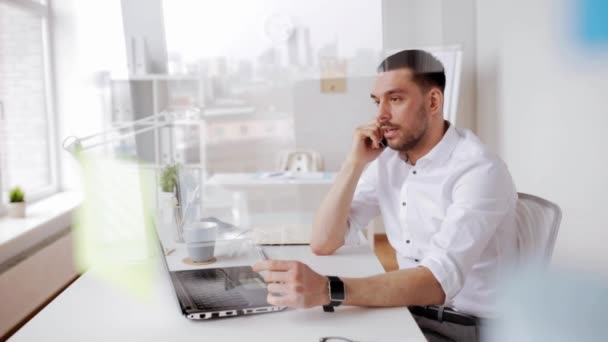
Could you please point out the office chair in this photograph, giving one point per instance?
(301, 161)
(537, 226)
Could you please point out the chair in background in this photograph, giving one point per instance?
(537, 226)
(300, 161)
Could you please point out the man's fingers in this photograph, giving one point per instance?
(275, 277)
(372, 133)
(272, 265)
(278, 288)
(288, 300)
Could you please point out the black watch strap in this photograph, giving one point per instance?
(336, 293)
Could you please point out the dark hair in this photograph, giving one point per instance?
(428, 70)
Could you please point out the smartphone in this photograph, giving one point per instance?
(384, 142)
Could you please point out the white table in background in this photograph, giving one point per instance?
(307, 188)
(271, 178)
(92, 310)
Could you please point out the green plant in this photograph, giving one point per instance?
(16, 195)
(168, 178)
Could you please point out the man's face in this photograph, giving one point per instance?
(402, 114)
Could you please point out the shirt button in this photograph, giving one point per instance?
(416, 260)
(407, 241)
(403, 204)
(414, 172)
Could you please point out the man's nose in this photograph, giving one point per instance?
(384, 113)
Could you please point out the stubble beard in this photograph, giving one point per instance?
(411, 140)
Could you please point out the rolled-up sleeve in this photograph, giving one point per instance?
(364, 206)
(482, 197)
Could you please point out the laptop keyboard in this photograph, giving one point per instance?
(211, 289)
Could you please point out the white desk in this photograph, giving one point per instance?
(267, 199)
(272, 192)
(92, 310)
(272, 178)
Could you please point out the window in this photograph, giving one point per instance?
(27, 142)
(266, 56)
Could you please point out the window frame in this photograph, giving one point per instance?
(42, 10)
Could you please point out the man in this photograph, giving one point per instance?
(447, 203)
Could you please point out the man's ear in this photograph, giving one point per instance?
(435, 98)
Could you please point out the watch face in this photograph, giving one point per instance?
(336, 289)
(278, 27)
(338, 297)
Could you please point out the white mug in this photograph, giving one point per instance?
(200, 240)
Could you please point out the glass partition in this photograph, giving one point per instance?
(280, 87)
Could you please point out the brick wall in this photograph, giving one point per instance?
(24, 156)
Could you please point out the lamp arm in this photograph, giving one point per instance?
(125, 126)
(125, 135)
(74, 144)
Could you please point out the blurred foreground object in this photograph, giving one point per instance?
(552, 306)
(113, 229)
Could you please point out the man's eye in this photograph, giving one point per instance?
(395, 99)
(377, 103)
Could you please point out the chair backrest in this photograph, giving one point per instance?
(537, 226)
(301, 161)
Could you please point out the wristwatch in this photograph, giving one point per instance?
(336, 293)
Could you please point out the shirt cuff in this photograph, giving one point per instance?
(446, 273)
(351, 238)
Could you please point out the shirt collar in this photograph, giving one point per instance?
(442, 151)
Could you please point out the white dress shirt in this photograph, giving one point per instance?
(453, 212)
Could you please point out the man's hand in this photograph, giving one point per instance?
(293, 284)
(367, 144)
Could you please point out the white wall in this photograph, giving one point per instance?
(432, 23)
(326, 122)
(543, 107)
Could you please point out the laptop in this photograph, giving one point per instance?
(211, 293)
